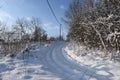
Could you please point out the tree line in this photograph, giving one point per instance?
(23, 33)
(23, 30)
(95, 24)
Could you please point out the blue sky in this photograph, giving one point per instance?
(13, 9)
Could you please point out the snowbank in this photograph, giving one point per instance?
(91, 59)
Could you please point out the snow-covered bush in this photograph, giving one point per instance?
(95, 26)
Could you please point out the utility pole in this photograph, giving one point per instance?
(55, 18)
(60, 31)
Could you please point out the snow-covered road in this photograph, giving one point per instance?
(47, 63)
(69, 69)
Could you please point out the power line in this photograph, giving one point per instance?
(55, 18)
(53, 12)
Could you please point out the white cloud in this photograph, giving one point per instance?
(62, 7)
(4, 16)
(51, 29)
(50, 26)
(7, 18)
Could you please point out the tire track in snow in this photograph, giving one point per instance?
(60, 60)
(54, 66)
(88, 73)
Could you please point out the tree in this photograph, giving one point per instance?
(44, 38)
(38, 32)
(20, 27)
(74, 15)
(91, 24)
(52, 39)
(3, 31)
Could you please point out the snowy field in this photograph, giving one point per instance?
(51, 62)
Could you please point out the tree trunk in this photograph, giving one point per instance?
(100, 39)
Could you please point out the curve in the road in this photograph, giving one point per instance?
(75, 71)
(67, 69)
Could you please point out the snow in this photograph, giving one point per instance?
(31, 68)
(92, 60)
(57, 61)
